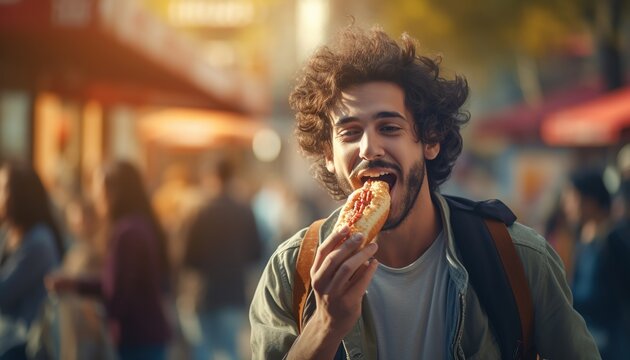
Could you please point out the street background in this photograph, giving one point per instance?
(173, 85)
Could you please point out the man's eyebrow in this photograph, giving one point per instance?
(379, 115)
(344, 120)
(388, 114)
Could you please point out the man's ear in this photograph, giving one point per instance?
(431, 151)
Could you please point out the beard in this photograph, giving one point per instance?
(410, 185)
(344, 185)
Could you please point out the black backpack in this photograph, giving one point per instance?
(488, 254)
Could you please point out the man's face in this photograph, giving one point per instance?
(374, 137)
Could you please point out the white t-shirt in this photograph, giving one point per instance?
(409, 306)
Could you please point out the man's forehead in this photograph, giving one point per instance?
(368, 99)
(340, 108)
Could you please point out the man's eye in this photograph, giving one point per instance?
(348, 134)
(390, 129)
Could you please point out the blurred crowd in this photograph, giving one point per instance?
(590, 229)
(119, 271)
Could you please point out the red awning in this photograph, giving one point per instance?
(603, 121)
(115, 50)
(521, 123)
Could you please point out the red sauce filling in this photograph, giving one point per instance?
(361, 202)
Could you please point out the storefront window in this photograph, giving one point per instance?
(14, 125)
(57, 144)
(123, 137)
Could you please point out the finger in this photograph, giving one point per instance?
(331, 263)
(360, 271)
(332, 242)
(350, 266)
(361, 281)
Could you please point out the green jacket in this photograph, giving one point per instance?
(560, 332)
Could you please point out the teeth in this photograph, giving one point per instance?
(377, 175)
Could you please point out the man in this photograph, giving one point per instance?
(368, 106)
(222, 243)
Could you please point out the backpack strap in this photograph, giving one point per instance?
(495, 271)
(302, 283)
(518, 282)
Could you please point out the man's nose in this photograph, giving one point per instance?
(370, 146)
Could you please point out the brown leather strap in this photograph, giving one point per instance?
(302, 283)
(518, 282)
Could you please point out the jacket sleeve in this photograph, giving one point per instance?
(273, 328)
(560, 332)
(25, 270)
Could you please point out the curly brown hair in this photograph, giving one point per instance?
(358, 57)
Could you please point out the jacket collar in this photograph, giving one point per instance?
(457, 272)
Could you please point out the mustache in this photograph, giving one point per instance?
(364, 165)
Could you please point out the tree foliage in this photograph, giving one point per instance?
(480, 29)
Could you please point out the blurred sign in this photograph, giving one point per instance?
(201, 13)
(181, 54)
(91, 46)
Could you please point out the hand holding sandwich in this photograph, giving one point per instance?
(342, 271)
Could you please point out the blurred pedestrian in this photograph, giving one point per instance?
(560, 234)
(174, 200)
(619, 244)
(74, 327)
(600, 292)
(222, 243)
(33, 247)
(135, 277)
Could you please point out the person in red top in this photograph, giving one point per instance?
(134, 280)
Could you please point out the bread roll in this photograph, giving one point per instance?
(366, 210)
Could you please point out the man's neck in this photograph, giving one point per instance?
(404, 244)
